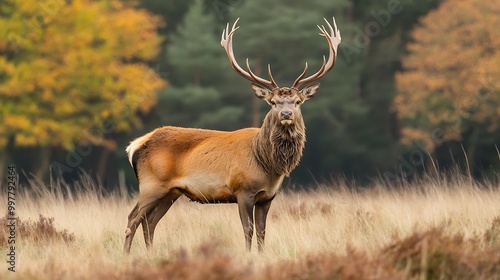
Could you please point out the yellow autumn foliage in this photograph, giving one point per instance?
(451, 77)
(66, 66)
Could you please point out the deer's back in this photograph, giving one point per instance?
(206, 165)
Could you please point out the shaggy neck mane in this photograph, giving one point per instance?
(278, 148)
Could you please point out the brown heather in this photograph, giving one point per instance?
(446, 228)
(43, 230)
(431, 254)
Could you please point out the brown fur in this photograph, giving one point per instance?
(245, 166)
(278, 148)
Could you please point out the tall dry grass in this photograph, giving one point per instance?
(429, 228)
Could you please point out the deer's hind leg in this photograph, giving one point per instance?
(149, 198)
(130, 232)
(154, 216)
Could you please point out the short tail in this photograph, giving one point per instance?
(136, 145)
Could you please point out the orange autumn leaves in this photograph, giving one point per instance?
(450, 81)
(67, 66)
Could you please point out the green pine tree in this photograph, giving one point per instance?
(199, 64)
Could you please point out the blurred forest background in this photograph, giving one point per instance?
(415, 87)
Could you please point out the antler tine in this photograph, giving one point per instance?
(250, 70)
(273, 83)
(333, 39)
(271, 76)
(227, 44)
(234, 25)
(301, 75)
(312, 77)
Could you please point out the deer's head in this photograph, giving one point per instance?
(285, 102)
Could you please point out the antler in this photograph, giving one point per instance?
(227, 43)
(333, 39)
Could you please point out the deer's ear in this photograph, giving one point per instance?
(309, 91)
(262, 93)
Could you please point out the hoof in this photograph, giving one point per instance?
(128, 232)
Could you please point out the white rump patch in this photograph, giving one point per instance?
(136, 144)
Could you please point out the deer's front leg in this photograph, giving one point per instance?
(261, 210)
(245, 207)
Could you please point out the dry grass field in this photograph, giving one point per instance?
(447, 228)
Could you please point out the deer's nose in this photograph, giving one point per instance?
(286, 115)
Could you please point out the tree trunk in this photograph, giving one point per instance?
(3, 164)
(470, 153)
(103, 163)
(255, 101)
(4, 157)
(350, 12)
(42, 170)
(256, 112)
(196, 77)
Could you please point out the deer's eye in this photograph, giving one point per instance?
(273, 103)
(298, 102)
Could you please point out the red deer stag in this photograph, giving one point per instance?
(245, 166)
